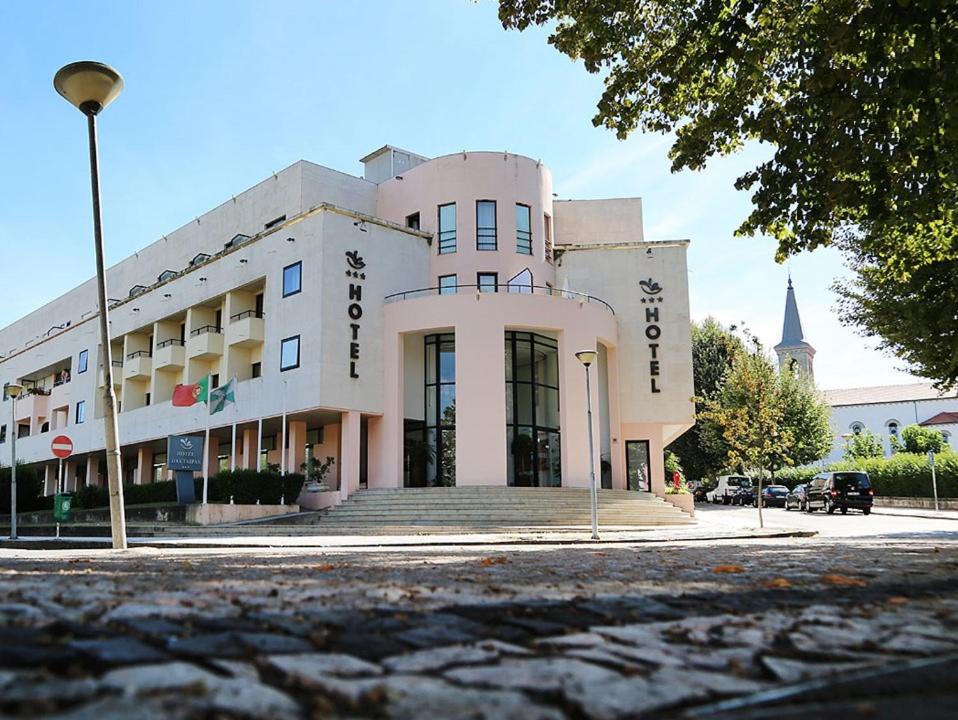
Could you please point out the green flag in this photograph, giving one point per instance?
(221, 397)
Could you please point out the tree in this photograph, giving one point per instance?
(701, 450)
(855, 100)
(863, 445)
(918, 439)
(768, 420)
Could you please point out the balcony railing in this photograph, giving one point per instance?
(500, 288)
(213, 329)
(139, 353)
(246, 314)
(116, 363)
(169, 343)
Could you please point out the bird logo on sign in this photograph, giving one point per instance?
(355, 260)
(186, 443)
(650, 287)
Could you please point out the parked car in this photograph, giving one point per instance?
(832, 491)
(727, 488)
(699, 490)
(774, 496)
(744, 496)
(796, 498)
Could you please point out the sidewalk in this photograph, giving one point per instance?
(537, 537)
(926, 513)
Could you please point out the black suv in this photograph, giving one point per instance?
(840, 490)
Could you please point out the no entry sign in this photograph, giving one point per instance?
(62, 446)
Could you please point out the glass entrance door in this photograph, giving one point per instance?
(637, 470)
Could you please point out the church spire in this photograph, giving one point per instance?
(794, 349)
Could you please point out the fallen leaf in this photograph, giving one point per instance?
(778, 583)
(897, 600)
(728, 569)
(843, 580)
(324, 568)
(486, 562)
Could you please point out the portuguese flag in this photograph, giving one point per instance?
(187, 395)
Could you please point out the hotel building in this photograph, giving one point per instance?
(419, 324)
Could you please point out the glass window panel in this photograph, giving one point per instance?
(447, 362)
(524, 404)
(547, 407)
(447, 285)
(447, 404)
(447, 464)
(523, 451)
(523, 360)
(523, 230)
(510, 404)
(549, 460)
(431, 466)
(508, 358)
(637, 464)
(432, 397)
(447, 228)
(486, 224)
(292, 279)
(431, 363)
(488, 282)
(510, 458)
(82, 361)
(289, 354)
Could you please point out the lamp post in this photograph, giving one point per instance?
(13, 390)
(587, 357)
(91, 86)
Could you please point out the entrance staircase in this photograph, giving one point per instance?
(487, 508)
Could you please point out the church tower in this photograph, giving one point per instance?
(793, 349)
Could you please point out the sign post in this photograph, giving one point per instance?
(62, 448)
(184, 456)
(934, 481)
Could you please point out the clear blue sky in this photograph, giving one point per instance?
(220, 94)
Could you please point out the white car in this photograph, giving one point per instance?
(726, 488)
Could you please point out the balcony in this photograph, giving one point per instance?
(169, 355)
(500, 289)
(205, 342)
(117, 366)
(246, 329)
(138, 366)
(32, 404)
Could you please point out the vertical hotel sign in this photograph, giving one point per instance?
(354, 307)
(653, 329)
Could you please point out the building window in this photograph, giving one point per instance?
(547, 236)
(857, 428)
(638, 471)
(292, 279)
(148, 398)
(83, 360)
(274, 222)
(447, 284)
(524, 229)
(3, 433)
(533, 455)
(81, 412)
(289, 353)
(412, 221)
(447, 228)
(214, 381)
(256, 370)
(430, 445)
(521, 282)
(486, 225)
(487, 282)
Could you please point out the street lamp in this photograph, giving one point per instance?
(13, 390)
(587, 357)
(91, 86)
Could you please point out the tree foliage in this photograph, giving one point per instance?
(918, 439)
(863, 445)
(701, 450)
(857, 101)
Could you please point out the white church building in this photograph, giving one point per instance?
(883, 409)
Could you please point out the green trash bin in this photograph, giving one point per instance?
(62, 507)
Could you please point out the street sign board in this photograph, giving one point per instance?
(185, 452)
(62, 446)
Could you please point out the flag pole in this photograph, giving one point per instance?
(259, 443)
(233, 447)
(206, 455)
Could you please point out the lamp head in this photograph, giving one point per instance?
(12, 389)
(89, 86)
(586, 357)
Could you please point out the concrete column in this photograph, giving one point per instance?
(349, 453)
(92, 470)
(144, 466)
(69, 476)
(296, 438)
(237, 458)
(573, 419)
(615, 421)
(481, 402)
(50, 478)
(386, 446)
(374, 444)
(248, 459)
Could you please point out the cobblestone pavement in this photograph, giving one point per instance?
(783, 628)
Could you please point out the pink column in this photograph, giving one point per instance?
(296, 437)
(92, 470)
(213, 452)
(248, 459)
(69, 476)
(615, 422)
(349, 453)
(481, 401)
(50, 478)
(387, 453)
(573, 419)
(144, 466)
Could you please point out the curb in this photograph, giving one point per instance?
(384, 541)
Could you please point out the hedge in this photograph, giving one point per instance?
(29, 491)
(244, 486)
(901, 475)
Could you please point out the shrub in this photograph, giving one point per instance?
(29, 490)
(248, 486)
(918, 439)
